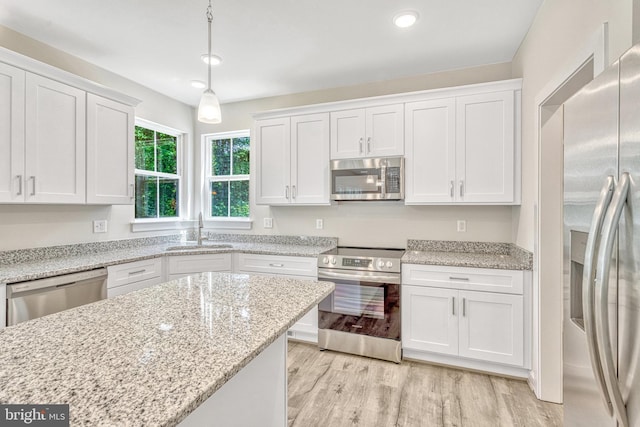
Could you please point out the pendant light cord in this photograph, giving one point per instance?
(209, 19)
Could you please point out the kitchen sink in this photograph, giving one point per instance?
(198, 247)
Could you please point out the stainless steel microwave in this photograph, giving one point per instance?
(368, 179)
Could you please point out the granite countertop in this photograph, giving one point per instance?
(31, 264)
(504, 256)
(152, 356)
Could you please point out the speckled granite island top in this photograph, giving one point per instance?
(504, 256)
(149, 358)
(31, 264)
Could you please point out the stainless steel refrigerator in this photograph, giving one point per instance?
(601, 327)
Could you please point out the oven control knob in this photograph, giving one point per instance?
(380, 264)
(333, 261)
(389, 264)
(325, 260)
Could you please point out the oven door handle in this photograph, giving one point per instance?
(366, 276)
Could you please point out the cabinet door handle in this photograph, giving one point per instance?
(286, 192)
(33, 178)
(453, 305)
(276, 265)
(294, 192)
(19, 178)
(462, 188)
(451, 185)
(464, 307)
(131, 273)
(369, 145)
(464, 279)
(360, 143)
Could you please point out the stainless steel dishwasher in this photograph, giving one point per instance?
(37, 298)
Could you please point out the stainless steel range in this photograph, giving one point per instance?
(362, 315)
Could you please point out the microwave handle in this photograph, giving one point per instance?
(383, 180)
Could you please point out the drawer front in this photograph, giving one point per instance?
(125, 289)
(476, 279)
(199, 263)
(132, 272)
(280, 265)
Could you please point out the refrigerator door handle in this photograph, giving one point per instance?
(604, 199)
(605, 253)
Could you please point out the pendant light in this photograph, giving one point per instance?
(209, 108)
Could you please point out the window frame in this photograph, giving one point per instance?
(208, 177)
(179, 176)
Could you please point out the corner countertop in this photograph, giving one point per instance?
(39, 263)
(504, 256)
(152, 356)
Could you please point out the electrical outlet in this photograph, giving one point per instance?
(462, 225)
(319, 224)
(268, 223)
(100, 226)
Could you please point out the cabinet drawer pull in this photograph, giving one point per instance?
(453, 305)
(33, 178)
(131, 273)
(276, 265)
(464, 279)
(19, 178)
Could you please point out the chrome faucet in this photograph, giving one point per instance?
(200, 226)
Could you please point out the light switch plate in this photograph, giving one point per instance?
(319, 224)
(100, 226)
(462, 225)
(268, 223)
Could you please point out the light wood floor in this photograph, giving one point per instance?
(332, 389)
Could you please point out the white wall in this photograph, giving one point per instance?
(375, 224)
(24, 226)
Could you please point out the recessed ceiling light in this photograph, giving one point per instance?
(198, 84)
(405, 19)
(215, 59)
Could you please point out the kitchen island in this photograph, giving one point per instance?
(212, 343)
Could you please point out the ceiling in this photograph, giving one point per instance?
(274, 47)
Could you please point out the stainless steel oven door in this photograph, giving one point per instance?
(363, 302)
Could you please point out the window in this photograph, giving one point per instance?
(157, 172)
(227, 175)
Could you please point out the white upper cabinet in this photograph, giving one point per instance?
(61, 143)
(55, 142)
(368, 132)
(11, 134)
(110, 151)
(463, 149)
(485, 147)
(430, 162)
(292, 166)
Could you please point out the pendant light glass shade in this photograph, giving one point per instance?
(209, 108)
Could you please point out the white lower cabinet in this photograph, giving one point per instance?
(445, 322)
(184, 265)
(305, 329)
(129, 277)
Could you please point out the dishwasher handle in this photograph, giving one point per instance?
(53, 282)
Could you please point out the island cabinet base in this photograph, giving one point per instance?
(255, 396)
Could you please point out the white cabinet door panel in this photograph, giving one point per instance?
(11, 134)
(110, 151)
(384, 131)
(430, 151)
(273, 151)
(429, 319)
(55, 141)
(492, 328)
(310, 159)
(347, 134)
(485, 141)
